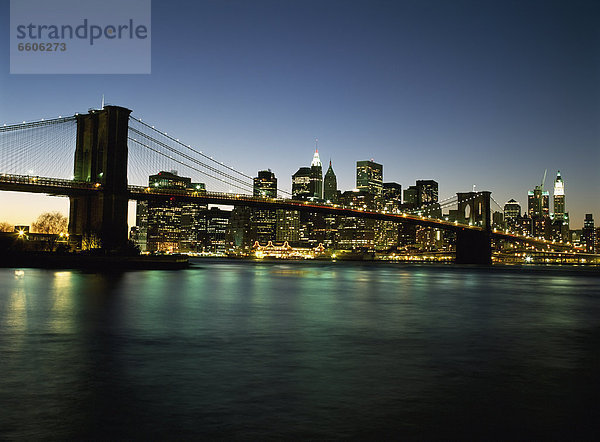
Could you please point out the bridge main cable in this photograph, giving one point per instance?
(187, 157)
(246, 188)
(198, 152)
(37, 123)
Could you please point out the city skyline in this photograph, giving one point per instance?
(465, 94)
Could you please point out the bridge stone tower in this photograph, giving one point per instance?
(101, 157)
(474, 246)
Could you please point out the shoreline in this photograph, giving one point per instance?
(49, 260)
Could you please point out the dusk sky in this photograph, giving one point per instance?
(463, 92)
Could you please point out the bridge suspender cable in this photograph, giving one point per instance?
(246, 188)
(188, 147)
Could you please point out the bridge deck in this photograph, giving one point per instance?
(64, 187)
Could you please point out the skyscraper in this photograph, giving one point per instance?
(330, 185)
(369, 177)
(170, 225)
(538, 202)
(392, 196)
(559, 197)
(512, 210)
(301, 183)
(316, 176)
(427, 192)
(265, 184)
(263, 221)
(411, 197)
(538, 209)
(560, 218)
(588, 234)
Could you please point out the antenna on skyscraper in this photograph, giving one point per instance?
(316, 144)
(102, 102)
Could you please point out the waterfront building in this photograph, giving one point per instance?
(369, 177)
(160, 222)
(263, 221)
(238, 236)
(286, 251)
(214, 239)
(588, 234)
(193, 222)
(355, 233)
(429, 239)
(287, 226)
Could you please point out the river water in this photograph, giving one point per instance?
(303, 350)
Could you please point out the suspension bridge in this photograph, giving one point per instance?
(102, 159)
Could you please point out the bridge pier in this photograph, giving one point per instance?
(101, 157)
(474, 246)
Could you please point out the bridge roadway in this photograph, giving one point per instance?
(64, 187)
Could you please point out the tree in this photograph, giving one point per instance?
(90, 242)
(51, 222)
(6, 227)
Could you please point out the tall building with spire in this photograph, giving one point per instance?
(316, 176)
(560, 218)
(330, 185)
(559, 197)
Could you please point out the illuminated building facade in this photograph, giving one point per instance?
(538, 209)
(411, 198)
(559, 197)
(427, 192)
(588, 234)
(287, 226)
(512, 210)
(316, 177)
(392, 197)
(265, 184)
(560, 218)
(301, 184)
(369, 177)
(170, 226)
(263, 221)
(214, 237)
(538, 202)
(353, 232)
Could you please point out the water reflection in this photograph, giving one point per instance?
(258, 351)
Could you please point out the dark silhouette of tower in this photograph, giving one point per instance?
(101, 157)
(330, 185)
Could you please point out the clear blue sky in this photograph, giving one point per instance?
(490, 93)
